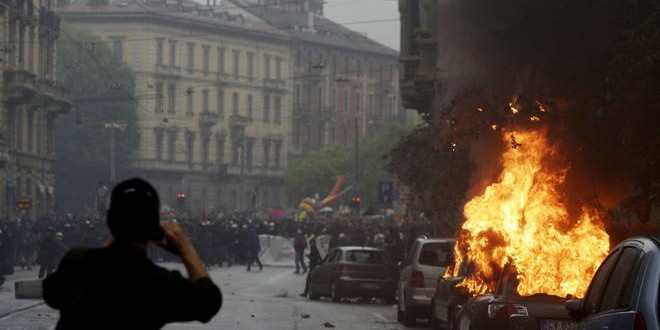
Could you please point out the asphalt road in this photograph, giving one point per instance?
(252, 300)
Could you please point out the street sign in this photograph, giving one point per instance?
(385, 192)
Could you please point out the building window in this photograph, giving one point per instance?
(235, 150)
(172, 53)
(347, 65)
(30, 127)
(380, 72)
(159, 51)
(358, 103)
(266, 108)
(266, 143)
(346, 100)
(278, 68)
(370, 104)
(250, 101)
(221, 60)
(333, 99)
(267, 66)
(159, 143)
(278, 110)
(249, 153)
(171, 146)
(190, 145)
(171, 105)
(221, 103)
(234, 104)
(190, 102)
(371, 69)
(191, 56)
(206, 58)
(237, 63)
(118, 49)
(220, 150)
(205, 100)
(319, 98)
(250, 66)
(358, 67)
(298, 58)
(159, 97)
(205, 152)
(298, 95)
(334, 64)
(278, 153)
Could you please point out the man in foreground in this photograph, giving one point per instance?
(118, 287)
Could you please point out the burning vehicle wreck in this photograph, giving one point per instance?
(521, 253)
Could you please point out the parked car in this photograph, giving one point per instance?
(624, 292)
(426, 261)
(447, 300)
(354, 271)
(506, 309)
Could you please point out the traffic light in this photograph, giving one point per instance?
(355, 202)
(23, 202)
(181, 198)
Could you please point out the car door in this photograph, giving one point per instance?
(615, 308)
(325, 272)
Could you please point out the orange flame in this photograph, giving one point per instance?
(521, 221)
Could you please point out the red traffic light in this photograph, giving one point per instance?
(181, 196)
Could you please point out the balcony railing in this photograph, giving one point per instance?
(169, 70)
(274, 84)
(208, 118)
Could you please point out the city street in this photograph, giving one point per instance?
(254, 300)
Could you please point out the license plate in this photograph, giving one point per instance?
(370, 286)
(557, 325)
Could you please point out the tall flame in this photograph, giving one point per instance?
(521, 221)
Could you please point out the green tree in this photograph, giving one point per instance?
(317, 171)
(102, 91)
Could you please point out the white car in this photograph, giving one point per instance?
(426, 261)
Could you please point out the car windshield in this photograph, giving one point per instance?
(436, 254)
(365, 257)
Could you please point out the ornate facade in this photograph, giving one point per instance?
(30, 104)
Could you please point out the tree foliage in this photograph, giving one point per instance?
(317, 171)
(102, 91)
(586, 71)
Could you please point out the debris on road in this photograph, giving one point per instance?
(328, 325)
(304, 316)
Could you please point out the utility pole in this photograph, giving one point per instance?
(357, 159)
(114, 126)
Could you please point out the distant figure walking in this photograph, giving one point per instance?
(299, 245)
(314, 260)
(118, 287)
(51, 250)
(253, 249)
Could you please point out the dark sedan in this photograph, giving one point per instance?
(354, 271)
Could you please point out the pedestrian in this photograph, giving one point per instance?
(6, 250)
(314, 260)
(117, 286)
(299, 246)
(253, 248)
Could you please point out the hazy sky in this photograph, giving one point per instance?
(347, 11)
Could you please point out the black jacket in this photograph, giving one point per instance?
(118, 287)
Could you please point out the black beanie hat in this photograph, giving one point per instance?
(134, 212)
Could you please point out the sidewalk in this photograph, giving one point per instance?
(8, 302)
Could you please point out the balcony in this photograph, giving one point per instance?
(274, 84)
(208, 118)
(167, 70)
(20, 85)
(238, 121)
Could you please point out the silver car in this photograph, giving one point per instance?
(426, 261)
(624, 292)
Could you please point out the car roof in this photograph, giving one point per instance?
(352, 248)
(437, 239)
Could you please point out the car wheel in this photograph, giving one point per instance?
(334, 293)
(409, 317)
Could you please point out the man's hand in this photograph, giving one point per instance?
(175, 239)
(177, 242)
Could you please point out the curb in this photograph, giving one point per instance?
(3, 315)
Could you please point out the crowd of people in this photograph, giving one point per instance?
(222, 240)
